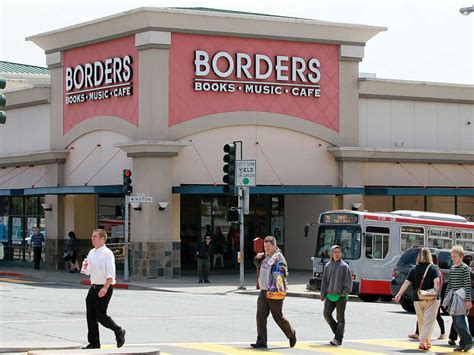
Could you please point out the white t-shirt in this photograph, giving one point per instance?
(102, 265)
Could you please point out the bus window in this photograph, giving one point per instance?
(376, 242)
(347, 237)
(411, 236)
(466, 239)
(440, 238)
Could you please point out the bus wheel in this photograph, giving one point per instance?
(369, 298)
(386, 298)
(407, 305)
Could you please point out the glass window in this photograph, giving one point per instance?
(31, 205)
(411, 237)
(347, 237)
(4, 206)
(444, 260)
(408, 258)
(376, 242)
(466, 239)
(440, 238)
(17, 205)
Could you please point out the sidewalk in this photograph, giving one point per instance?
(221, 283)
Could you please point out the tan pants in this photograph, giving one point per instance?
(426, 312)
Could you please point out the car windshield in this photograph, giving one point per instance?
(408, 258)
(347, 237)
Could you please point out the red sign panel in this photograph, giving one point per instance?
(213, 74)
(101, 80)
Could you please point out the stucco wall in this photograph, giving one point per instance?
(283, 156)
(26, 131)
(299, 211)
(416, 124)
(86, 159)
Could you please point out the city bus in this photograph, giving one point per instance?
(372, 243)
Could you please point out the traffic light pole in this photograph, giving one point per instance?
(125, 265)
(241, 204)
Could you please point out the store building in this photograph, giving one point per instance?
(161, 91)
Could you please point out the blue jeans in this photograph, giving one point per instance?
(460, 325)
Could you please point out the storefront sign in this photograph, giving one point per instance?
(256, 74)
(101, 80)
(215, 74)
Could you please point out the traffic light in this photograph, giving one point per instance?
(127, 182)
(3, 101)
(229, 168)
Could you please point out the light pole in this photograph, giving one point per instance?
(466, 10)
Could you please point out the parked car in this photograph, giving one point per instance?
(407, 261)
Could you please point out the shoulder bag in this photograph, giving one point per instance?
(426, 295)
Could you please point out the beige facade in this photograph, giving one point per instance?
(389, 134)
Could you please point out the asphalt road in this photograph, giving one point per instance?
(52, 312)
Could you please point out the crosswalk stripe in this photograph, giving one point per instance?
(401, 344)
(329, 349)
(218, 348)
(5, 279)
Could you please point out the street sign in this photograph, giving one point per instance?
(245, 172)
(140, 199)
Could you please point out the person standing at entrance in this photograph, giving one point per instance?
(219, 242)
(203, 254)
(265, 306)
(100, 265)
(335, 289)
(71, 253)
(37, 240)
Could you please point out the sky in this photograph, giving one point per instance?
(426, 40)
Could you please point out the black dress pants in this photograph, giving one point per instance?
(37, 256)
(97, 313)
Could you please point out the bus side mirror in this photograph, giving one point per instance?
(306, 230)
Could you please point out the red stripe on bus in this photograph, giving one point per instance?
(374, 287)
(428, 222)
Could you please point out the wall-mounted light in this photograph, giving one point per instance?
(162, 205)
(137, 206)
(47, 206)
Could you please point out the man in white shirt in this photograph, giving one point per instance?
(100, 265)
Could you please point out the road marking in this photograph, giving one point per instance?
(5, 279)
(402, 344)
(218, 348)
(328, 349)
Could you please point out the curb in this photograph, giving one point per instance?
(117, 285)
(15, 274)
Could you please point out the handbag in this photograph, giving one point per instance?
(426, 295)
(276, 289)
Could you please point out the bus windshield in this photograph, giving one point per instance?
(347, 237)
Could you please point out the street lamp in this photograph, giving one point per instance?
(466, 10)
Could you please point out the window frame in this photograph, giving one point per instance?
(420, 234)
(373, 235)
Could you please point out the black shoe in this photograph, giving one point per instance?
(258, 346)
(120, 338)
(200, 281)
(461, 348)
(451, 342)
(91, 346)
(207, 281)
(293, 340)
